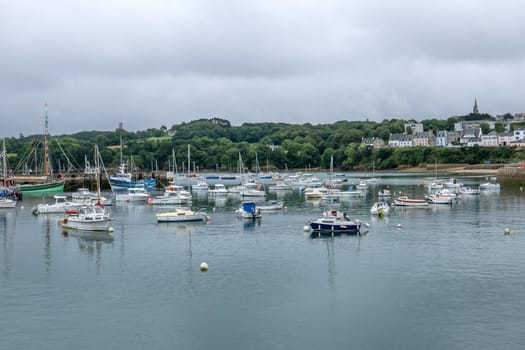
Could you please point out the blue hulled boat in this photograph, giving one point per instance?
(333, 221)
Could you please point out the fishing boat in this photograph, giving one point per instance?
(46, 183)
(380, 208)
(270, 205)
(89, 218)
(404, 201)
(249, 210)
(334, 221)
(182, 215)
(124, 179)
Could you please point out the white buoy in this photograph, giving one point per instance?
(506, 231)
(306, 228)
(399, 226)
(204, 267)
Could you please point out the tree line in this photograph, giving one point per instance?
(215, 144)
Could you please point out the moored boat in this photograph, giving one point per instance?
(249, 210)
(404, 201)
(92, 218)
(60, 206)
(270, 205)
(380, 208)
(437, 198)
(490, 186)
(134, 194)
(182, 215)
(334, 221)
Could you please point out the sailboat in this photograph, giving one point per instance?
(90, 217)
(373, 179)
(124, 179)
(49, 184)
(5, 202)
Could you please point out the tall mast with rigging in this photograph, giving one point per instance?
(46, 148)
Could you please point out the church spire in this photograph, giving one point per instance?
(475, 110)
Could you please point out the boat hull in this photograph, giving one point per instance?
(122, 184)
(342, 227)
(48, 187)
(181, 217)
(104, 225)
(7, 203)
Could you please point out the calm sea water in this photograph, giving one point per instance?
(447, 279)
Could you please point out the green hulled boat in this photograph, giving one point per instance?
(48, 187)
(46, 183)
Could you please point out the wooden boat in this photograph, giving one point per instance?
(404, 201)
(182, 215)
(46, 183)
(380, 208)
(92, 218)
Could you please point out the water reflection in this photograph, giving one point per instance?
(90, 242)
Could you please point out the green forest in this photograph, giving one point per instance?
(215, 144)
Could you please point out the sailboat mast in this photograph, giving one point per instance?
(46, 148)
(120, 129)
(4, 163)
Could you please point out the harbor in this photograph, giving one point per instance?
(446, 275)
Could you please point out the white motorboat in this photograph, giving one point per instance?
(60, 206)
(249, 210)
(490, 186)
(200, 186)
(92, 218)
(270, 205)
(252, 189)
(384, 193)
(469, 191)
(380, 208)
(7, 203)
(169, 198)
(134, 194)
(182, 215)
(218, 190)
(312, 193)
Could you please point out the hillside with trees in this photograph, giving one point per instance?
(216, 144)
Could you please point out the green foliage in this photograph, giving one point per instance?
(216, 144)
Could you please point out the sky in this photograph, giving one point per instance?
(153, 63)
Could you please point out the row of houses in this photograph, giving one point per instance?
(468, 137)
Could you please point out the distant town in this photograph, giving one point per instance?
(501, 130)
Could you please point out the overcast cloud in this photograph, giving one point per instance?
(153, 63)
